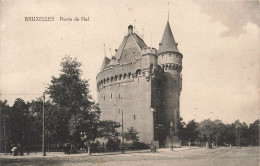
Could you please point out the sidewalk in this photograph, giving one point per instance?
(128, 152)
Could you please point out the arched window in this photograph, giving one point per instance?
(138, 72)
(111, 96)
(125, 55)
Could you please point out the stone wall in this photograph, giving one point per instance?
(133, 98)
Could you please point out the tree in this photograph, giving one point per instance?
(206, 129)
(180, 128)
(253, 133)
(54, 122)
(108, 129)
(131, 135)
(5, 111)
(19, 125)
(70, 93)
(191, 132)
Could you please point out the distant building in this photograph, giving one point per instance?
(144, 84)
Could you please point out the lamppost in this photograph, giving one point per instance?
(171, 135)
(123, 150)
(4, 134)
(236, 136)
(43, 127)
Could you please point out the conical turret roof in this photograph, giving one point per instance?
(168, 43)
(106, 61)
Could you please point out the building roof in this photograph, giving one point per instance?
(168, 43)
(106, 61)
(129, 38)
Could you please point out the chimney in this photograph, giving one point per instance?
(130, 29)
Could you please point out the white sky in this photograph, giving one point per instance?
(219, 42)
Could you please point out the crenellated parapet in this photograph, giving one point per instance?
(172, 66)
(148, 50)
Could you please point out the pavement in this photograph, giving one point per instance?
(127, 153)
(185, 156)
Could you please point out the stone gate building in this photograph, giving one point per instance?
(143, 86)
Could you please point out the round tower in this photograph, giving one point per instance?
(170, 60)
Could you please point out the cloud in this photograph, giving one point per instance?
(235, 15)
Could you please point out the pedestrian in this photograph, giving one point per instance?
(65, 148)
(14, 150)
(20, 149)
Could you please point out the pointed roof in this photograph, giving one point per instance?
(106, 61)
(131, 37)
(168, 43)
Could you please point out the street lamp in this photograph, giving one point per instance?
(4, 134)
(171, 135)
(123, 150)
(43, 127)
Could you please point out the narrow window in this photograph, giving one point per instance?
(119, 96)
(119, 111)
(104, 97)
(134, 117)
(111, 96)
(125, 55)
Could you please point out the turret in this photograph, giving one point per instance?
(169, 57)
(149, 61)
(149, 57)
(170, 60)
